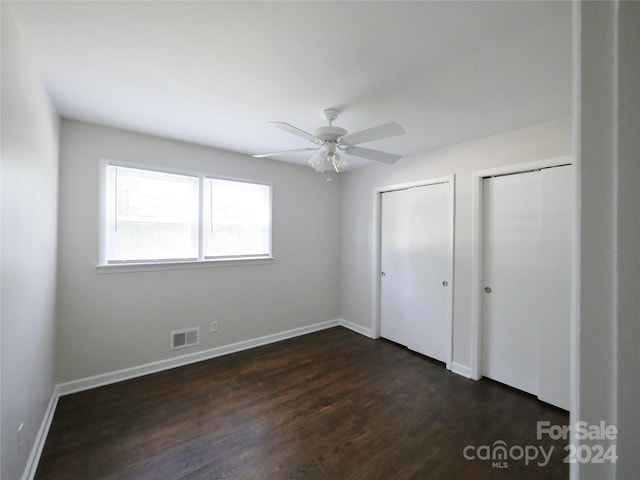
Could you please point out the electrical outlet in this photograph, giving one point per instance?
(214, 327)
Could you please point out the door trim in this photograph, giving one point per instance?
(376, 253)
(477, 267)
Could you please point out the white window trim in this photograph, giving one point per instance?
(182, 265)
(174, 264)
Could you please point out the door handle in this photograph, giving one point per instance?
(487, 289)
(445, 284)
(383, 274)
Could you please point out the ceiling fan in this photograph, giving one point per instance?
(331, 141)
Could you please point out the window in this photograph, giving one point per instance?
(237, 218)
(153, 217)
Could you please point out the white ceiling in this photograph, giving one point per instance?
(213, 72)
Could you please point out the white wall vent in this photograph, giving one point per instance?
(185, 338)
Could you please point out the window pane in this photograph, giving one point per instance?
(156, 216)
(237, 218)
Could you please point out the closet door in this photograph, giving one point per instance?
(511, 280)
(555, 311)
(430, 256)
(527, 281)
(394, 262)
(416, 261)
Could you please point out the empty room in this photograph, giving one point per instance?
(319, 240)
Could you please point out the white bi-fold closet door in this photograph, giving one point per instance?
(527, 281)
(416, 258)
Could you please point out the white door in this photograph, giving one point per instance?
(555, 314)
(511, 276)
(416, 260)
(394, 262)
(527, 282)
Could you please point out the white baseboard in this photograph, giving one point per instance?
(34, 457)
(153, 367)
(166, 364)
(460, 369)
(355, 327)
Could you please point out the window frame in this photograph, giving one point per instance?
(106, 266)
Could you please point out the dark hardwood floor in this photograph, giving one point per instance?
(330, 405)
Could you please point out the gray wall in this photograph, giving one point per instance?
(537, 142)
(608, 106)
(29, 202)
(595, 143)
(112, 321)
(628, 233)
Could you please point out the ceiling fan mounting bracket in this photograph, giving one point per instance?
(330, 114)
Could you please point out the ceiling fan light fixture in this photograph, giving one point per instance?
(339, 164)
(317, 161)
(327, 159)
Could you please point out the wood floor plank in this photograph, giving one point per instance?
(328, 405)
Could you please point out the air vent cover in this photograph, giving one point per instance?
(185, 338)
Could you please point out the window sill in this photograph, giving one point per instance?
(153, 267)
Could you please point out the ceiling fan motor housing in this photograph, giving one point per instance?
(330, 133)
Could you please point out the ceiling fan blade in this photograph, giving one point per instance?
(274, 154)
(296, 131)
(387, 130)
(376, 155)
